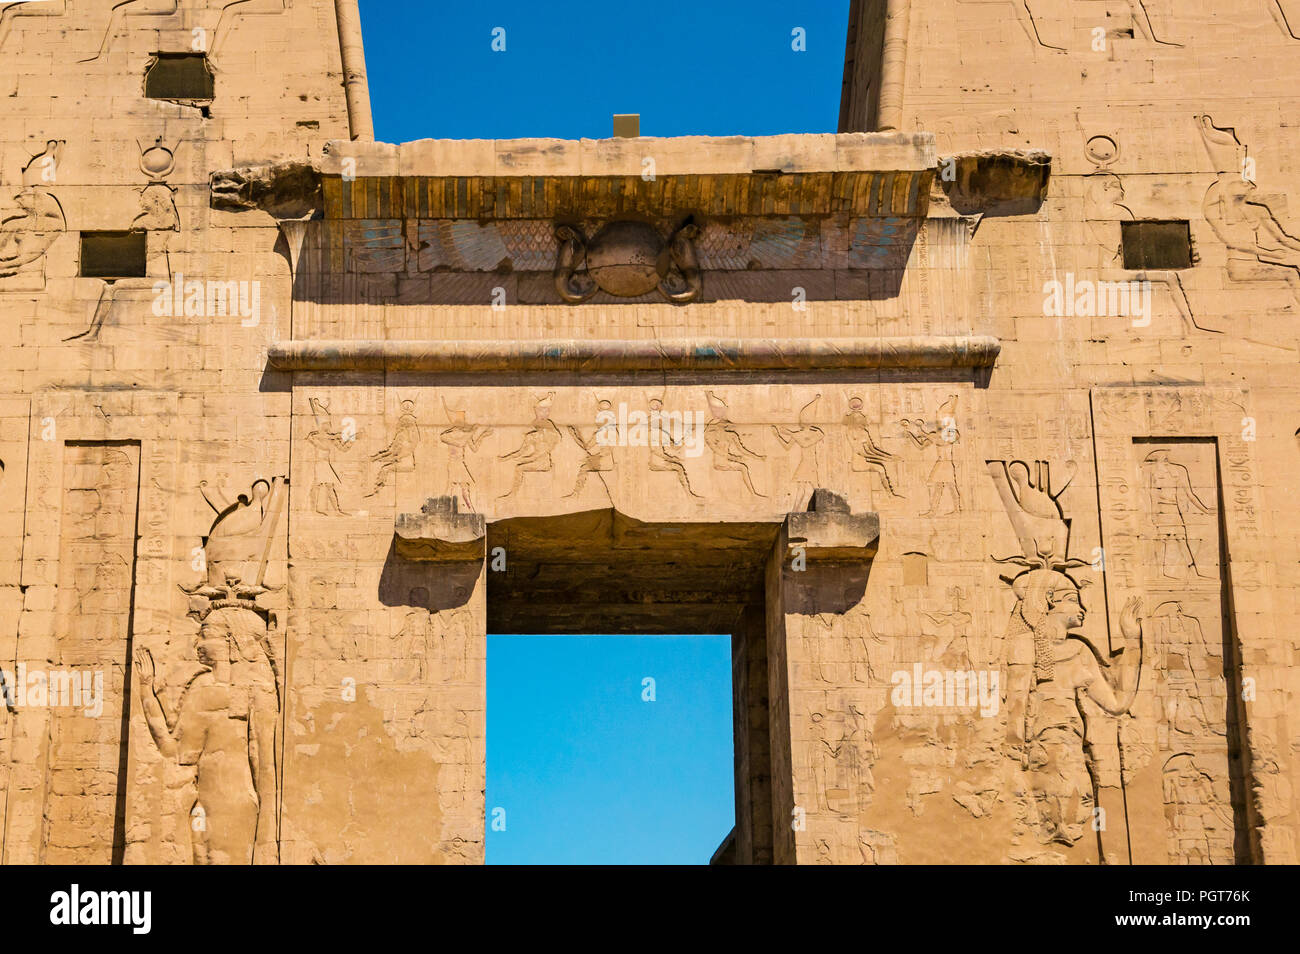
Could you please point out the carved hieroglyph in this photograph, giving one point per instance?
(84, 817)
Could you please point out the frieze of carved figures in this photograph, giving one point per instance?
(666, 453)
(628, 259)
(1259, 248)
(943, 435)
(221, 726)
(726, 443)
(27, 233)
(461, 439)
(805, 439)
(399, 455)
(327, 441)
(1051, 665)
(534, 455)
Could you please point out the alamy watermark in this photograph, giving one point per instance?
(208, 299)
(1085, 298)
(54, 689)
(657, 428)
(946, 688)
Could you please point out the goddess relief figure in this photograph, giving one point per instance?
(1051, 666)
(224, 730)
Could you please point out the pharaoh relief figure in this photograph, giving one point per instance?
(865, 455)
(535, 454)
(224, 730)
(1051, 666)
(730, 455)
(941, 434)
(326, 440)
(1172, 500)
(805, 438)
(461, 439)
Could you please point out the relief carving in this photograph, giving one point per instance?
(462, 439)
(27, 234)
(132, 8)
(238, 547)
(326, 440)
(865, 455)
(665, 455)
(1259, 248)
(1172, 499)
(399, 455)
(43, 8)
(534, 454)
(238, 9)
(1287, 16)
(722, 437)
(1051, 665)
(220, 727)
(598, 452)
(941, 434)
(628, 259)
(158, 199)
(224, 731)
(806, 439)
(1104, 208)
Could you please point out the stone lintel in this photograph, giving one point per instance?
(439, 533)
(622, 356)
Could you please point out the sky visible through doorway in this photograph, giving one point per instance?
(608, 749)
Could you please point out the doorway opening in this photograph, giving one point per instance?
(576, 578)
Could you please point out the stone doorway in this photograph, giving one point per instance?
(604, 572)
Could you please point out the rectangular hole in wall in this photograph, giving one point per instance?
(114, 254)
(183, 76)
(1156, 244)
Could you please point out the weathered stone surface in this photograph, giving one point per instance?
(974, 425)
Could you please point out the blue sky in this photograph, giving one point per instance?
(714, 67)
(589, 772)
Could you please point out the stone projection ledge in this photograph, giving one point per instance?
(668, 354)
(673, 155)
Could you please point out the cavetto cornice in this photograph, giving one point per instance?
(857, 173)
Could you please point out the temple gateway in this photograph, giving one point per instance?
(973, 425)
